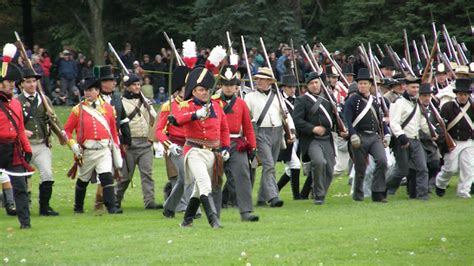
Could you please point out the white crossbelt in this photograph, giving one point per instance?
(462, 113)
(322, 108)
(364, 112)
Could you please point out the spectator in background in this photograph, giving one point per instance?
(259, 60)
(158, 80)
(147, 89)
(162, 95)
(146, 65)
(86, 70)
(35, 62)
(67, 72)
(127, 56)
(57, 98)
(138, 70)
(280, 66)
(46, 64)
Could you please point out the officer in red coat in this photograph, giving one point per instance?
(207, 139)
(243, 143)
(15, 150)
(96, 133)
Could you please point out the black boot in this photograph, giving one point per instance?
(284, 179)
(210, 209)
(80, 195)
(379, 197)
(9, 201)
(306, 187)
(190, 213)
(45, 191)
(295, 183)
(109, 193)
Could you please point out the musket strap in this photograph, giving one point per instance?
(366, 109)
(265, 108)
(462, 114)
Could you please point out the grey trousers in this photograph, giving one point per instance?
(268, 147)
(373, 145)
(321, 153)
(181, 193)
(141, 154)
(42, 161)
(20, 194)
(238, 169)
(414, 156)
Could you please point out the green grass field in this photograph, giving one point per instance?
(402, 232)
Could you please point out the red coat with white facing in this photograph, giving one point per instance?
(8, 133)
(239, 118)
(92, 129)
(213, 128)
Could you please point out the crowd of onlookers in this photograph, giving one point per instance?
(62, 74)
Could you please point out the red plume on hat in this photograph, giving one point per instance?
(215, 58)
(9, 51)
(189, 53)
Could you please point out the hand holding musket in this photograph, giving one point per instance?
(52, 120)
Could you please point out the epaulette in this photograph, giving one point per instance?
(75, 109)
(184, 104)
(165, 107)
(216, 96)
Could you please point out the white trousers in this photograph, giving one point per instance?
(199, 163)
(460, 160)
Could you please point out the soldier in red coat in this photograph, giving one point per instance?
(15, 150)
(243, 143)
(96, 134)
(207, 138)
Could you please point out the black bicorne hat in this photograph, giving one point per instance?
(228, 75)
(14, 73)
(199, 76)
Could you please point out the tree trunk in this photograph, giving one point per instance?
(97, 46)
(27, 23)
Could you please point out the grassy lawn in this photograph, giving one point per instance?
(402, 232)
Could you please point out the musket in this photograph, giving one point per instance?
(425, 54)
(426, 77)
(417, 55)
(447, 63)
(231, 52)
(315, 67)
(430, 126)
(378, 94)
(249, 73)
(53, 121)
(294, 66)
(334, 63)
(394, 60)
(435, 37)
(290, 132)
(179, 60)
(170, 83)
(380, 50)
(424, 46)
(407, 47)
(450, 143)
(126, 71)
(450, 44)
(410, 70)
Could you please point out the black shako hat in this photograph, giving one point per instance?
(29, 73)
(179, 78)
(199, 76)
(14, 73)
(364, 75)
(90, 82)
(348, 70)
(387, 63)
(288, 81)
(310, 76)
(228, 75)
(425, 88)
(129, 79)
(463, 85)
(103, 72)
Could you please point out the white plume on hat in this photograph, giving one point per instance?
(234, 59)
(189, 48)
(9, 51)
(217, 55)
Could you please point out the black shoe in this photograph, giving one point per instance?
(114, 210)
(261, 204)
(379, 197)
(440, 192)
(25, 226)
(319, 201)
(248, 217)
(168, 214)
(78, 210)
(10, 209)
(48, 212)
(153, 206)
(275, 202)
